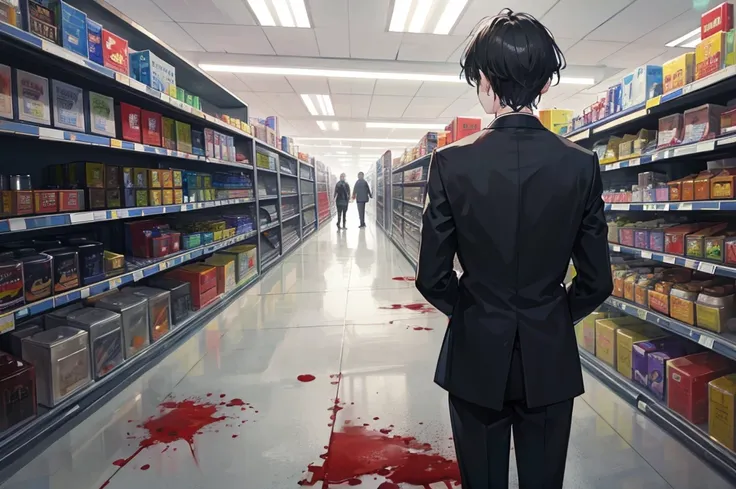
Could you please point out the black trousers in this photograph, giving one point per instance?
(342, 210)
(361, 212)
(483, 436)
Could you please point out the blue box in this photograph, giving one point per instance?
(94, 41)
(613, 100)
(197, 143)
(642, 84)
(151, 70)
(72, 25)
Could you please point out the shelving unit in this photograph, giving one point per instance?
(383, 192)
(29, 149)
(324, 192)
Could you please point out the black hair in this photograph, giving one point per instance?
(517, 54)
(360, 173)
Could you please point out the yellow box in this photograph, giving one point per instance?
(625, 339)
(168, 196)
(678, 72)
(155, 197)
(556, 120)
(217, 235)
(585, 330)
(178, 196)
(710, 55)
(605, 336)
(154, 178)
(722, 410)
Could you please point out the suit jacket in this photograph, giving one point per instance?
(362, 191)
(515, 202)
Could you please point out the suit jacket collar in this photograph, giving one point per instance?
(516, 121)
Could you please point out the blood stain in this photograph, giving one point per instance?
(357, 452)
(404, 279)
(305, 378)
(145, 467)
(235, 436)
(420, 307)
(354, 482)
(222, 395)
(236, 402)
(376, 418)
(385, 431)
(209, 394)
(420, 328)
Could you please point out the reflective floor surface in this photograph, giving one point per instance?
(236, 406)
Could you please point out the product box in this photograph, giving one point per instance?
(45, 201)
(642, 84)
(68, 106)
(129, 122)
(168, 133)
(613, 99)
(94, 41)
(626, 339)
(209, 143)
(7, 110)
(38, 19)
(159, 309)
(183, 137)
(710, 55)
(718, 19)
(605, 336)
(197, 143)
(585, 330)
(678, 72)
(556, 120)
(642, 350)
(225, 265)
(72, 25)
(115, 52)
(687, 383)
(722, 410)
(462, 127)
(71, 200)
(101, 115)
(10, 14)
(151, 128)
(151, 70)
(32, 94)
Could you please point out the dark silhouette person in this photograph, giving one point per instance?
(362, 194)
(342, 199)
(515, 202)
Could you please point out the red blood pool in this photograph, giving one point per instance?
(392, 306)
(236, 402)
(145, 467)
(120, 462)
(305, 378)
(388, 485)
(354, 482)
(403, 279)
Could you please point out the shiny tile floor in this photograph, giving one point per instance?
(323, 313)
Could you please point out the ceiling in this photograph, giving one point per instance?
(601, 40)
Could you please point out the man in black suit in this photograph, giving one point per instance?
(515, 202)
(362, 194)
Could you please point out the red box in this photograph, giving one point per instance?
(717, 19)
(71, 200)
(160, 246)
(687, 383)
(202, 280)
(462, 127)
(174, 241)
(115, 52)
(206, 298)
(130, 122)
(674, 237)
(151, 128)
(45, 201)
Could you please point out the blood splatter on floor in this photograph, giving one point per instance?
(420, 328)
(404, 279)
(417, 307)
(305, 378)
(358, 451)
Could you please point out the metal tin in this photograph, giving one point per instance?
(61, 359)
(38, 281)
(66, 268)
(19, 182)
(11, 342)
(181, 299)
(58, 317)
(11, 285)
(159, 309)
(90, 259)
(4, 183)
(133, 312)
(105, 337)
(17, 392)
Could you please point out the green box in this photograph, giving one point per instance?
(181, 94)
(196, 103)
(730, 48)
(190, 100)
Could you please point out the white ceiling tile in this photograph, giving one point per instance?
(397, 87)
(208, 11)
(374, 45)
(428, 47)
(286, 104)
(479, 9)
(372, 15)
(576, 18)
(348, 86)
(359, 106)
(309, 84)
(591, 52)
(460, 107)
(457, 54)
(172, 34)
(287, 41)
(668, 54)
(633, 55)
(231, 82)
(266, 83)
(638, 19)
(673, 29)
(140, 10)
(333, 42)
(438, 89)
(427, 107)
(329, 13)
(388, 106)
(257, 108)
(230, 38)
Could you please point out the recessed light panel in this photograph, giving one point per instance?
(318, 104)
(426, 16)
(289, 13)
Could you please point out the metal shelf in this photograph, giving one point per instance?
(699, 205)
(270, 226)
(703, 266)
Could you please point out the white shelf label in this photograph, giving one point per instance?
(84, 293)
(706, 146)
(616, 248)
(100, 215)
(7, 323)
(641, 314)
(685, 206)
(691, 264)
(706, 267)
(646, 254)
(163, 265)
(706, 341)
(79, 217)
(620, 207)
(122, 213)
(18, 224)
(635, 162)
(686, 150)
(669, 259)
(137, 275)
(642, 406)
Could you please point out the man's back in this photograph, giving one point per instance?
(522, 201)
(362, 191)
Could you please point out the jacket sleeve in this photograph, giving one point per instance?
(436, 279)
(593, 283)
(337, 185)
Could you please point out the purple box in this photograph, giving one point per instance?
(657, 366)
(640, 356)
(641, 238)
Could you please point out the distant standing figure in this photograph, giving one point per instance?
(342, 199)
(362, 194)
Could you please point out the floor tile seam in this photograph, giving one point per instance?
(620, 435)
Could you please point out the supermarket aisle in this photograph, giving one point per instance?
(236, 405)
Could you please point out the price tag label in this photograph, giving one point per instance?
(80, 217)
(641, 313)
(116, 143)
(653, 102)
(619, 207)
(113, 214)
(163, 265)
(120, 78)
(646, 254)
(17, 224)
(100, 215)
(7, 323)
(116, 282)
(706, 341)
(707, 267)
(686, 150)
(691, 264)
(669, 259)
(616, 248)
(84, 293)
(122, 214)
(642, 406)
(706, 146)
(137, 275)
(183, 208)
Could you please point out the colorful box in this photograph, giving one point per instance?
(101, 114)
(710, 55)
(115, 52)
(585, 330)
(687, 383)
(168, 133)
(7, 110)
(722, 410)
(72, 25)
(642, 84)
(151, 70)
(605, 336)
(151, 128)
(462, 127)
(678, 72)
(717, 19)
(40, 20)
(626, 339)
(32, 93)
(68, 106)
(94, 42)
(556, 120)
(45, 201)
(642, 350)
(183, 137)
(130, 122)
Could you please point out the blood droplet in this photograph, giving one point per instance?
(305, 378)
(145, 467)
(235, 402)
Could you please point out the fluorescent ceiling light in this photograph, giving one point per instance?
(399, 16)
(284, 13)
(565, 80)
(313, 101)
(360, 140)
(403, 125)
(341, 152)
(322, 106)
(309, 104)
(420, 15)
(687, 37)
(691, 44)
(449, 16)
(343, 146)
(328, 105)
(263, 15)
(300, 13)
(335, 126)
(322, 125)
